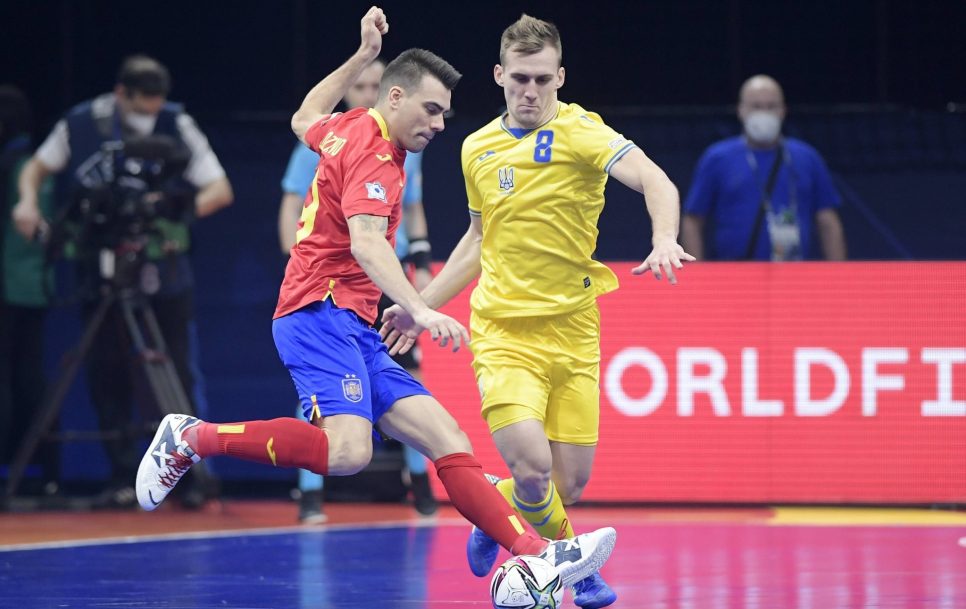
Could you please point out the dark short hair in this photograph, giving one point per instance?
(14, 113)
(407, 70)
(144, 75)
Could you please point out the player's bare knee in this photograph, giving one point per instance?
(531, 484)
(347, 458)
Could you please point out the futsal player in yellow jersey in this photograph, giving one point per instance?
(535, 181)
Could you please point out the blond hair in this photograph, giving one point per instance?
(529, 35)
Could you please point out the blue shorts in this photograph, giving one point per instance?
(339, 363)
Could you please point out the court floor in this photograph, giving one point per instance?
(246, 555)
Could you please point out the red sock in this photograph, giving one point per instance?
(284, 442)
(480, 503)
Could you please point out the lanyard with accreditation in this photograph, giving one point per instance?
(783, 229)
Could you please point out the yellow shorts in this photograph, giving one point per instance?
(545, 368)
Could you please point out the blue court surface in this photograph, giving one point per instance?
(771, 559)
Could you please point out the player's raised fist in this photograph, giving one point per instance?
(374, 27)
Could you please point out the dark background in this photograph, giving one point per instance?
(244, 58)
(877, 86)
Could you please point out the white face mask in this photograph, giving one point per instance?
(763, 127)
(142, 124)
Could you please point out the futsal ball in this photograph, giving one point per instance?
(526, 582)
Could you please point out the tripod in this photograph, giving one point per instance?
(151, 352)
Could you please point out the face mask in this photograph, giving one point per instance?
(142, 124)
(763, 127)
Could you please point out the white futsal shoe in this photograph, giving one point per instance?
(575, 558)
(167, 459)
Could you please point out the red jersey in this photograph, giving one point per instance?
(360, 172)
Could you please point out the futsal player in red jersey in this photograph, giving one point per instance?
(343, 258)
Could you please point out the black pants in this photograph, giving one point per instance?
(116, 377)
(22, 384)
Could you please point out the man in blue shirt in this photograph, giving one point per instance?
(412, 246)
(769, 197)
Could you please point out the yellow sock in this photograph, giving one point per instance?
(548, 517)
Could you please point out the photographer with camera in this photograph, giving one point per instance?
(129, 233)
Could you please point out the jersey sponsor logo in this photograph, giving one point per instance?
(505, 175)
(485, 155)
(331, 143)
(384, 157)
(375, 190)
(352, 388)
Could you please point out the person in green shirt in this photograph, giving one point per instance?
(25, 285)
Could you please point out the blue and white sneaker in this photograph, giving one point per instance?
(481, 552)
(577, 558)
(167, 459)
(593, 593)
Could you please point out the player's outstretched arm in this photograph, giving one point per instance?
(377, 258)
(637, 171)
(462, 267)
(323, 97)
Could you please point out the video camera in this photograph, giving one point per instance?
(120, 196)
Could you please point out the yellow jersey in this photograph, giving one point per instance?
(539, 196)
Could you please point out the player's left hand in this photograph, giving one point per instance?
(666, 256)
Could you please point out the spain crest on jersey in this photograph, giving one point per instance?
(352, 389)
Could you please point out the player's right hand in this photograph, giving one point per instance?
(374, 27)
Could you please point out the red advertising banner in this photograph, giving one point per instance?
(802, 382)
